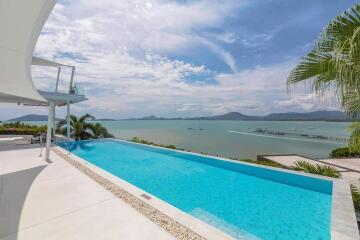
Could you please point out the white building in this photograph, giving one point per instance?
(20, 26)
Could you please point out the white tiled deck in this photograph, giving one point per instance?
(56, 201)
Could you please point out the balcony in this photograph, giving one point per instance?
(55, 82)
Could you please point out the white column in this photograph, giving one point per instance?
(68, 120)
(48, 133)
(54, 123)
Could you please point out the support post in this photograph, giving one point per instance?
(57, 79)
(54, 123)
(72, 80)
(68, 120)
(48, 133)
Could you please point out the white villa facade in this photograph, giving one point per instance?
(20, 25)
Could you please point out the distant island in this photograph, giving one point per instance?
(30, 118)
(333, 116)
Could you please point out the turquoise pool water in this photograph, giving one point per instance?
(244, 201)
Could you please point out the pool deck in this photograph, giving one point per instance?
(40, 200)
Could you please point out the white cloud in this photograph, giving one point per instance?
(309, 102)
(120, 47)
(226, 56)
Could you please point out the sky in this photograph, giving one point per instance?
(182, 58)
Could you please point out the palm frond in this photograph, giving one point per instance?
(318, 169)
(334, 64)
(86, 117)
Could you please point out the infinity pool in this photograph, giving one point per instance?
(245, 201)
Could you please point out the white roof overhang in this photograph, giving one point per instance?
(43, 62)
(20, 26)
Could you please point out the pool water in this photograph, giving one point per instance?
(245, 201)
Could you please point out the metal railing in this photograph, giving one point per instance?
(76, 89)
(63, 77)
(71, 80)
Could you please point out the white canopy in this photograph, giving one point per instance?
(44, 62)
(21, 22)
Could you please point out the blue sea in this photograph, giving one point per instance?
(235, 139)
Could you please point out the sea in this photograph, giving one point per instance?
(237, 139)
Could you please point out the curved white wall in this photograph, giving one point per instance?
(21, 22)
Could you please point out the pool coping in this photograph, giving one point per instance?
(343, 219)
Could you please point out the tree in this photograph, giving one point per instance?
(80, 128)
(99, 131)
(354, 141)
(334, 63)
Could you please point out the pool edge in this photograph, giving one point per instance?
(343, 219)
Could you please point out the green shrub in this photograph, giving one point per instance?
(17, 128)
(344, 152)
(355, 196)
(263, 162)
(318, 169)
(143, 141)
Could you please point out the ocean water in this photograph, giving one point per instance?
(244, 201)
(235, 139)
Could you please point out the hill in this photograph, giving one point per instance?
(29, 118)
(290, 116)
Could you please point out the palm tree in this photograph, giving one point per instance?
(334, 63)
(99, 131)
(354, 140)
(80, 128)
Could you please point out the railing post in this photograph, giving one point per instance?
(68, 120)
(72, 79)
(57, 79)
(54, 123)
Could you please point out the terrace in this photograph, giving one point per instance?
(39, 200)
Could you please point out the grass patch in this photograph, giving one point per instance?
(143, 141)
(264, 163)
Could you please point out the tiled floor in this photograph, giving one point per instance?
(56, 201)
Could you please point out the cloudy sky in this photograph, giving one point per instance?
(183, 58)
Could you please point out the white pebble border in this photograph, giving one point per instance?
(176, 229)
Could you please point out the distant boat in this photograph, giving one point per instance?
(200, 129)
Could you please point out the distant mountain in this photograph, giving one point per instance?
(290, 116)
(229, 116)
(151, 117)
(105, 119)
(29, 118)
(235, 116)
